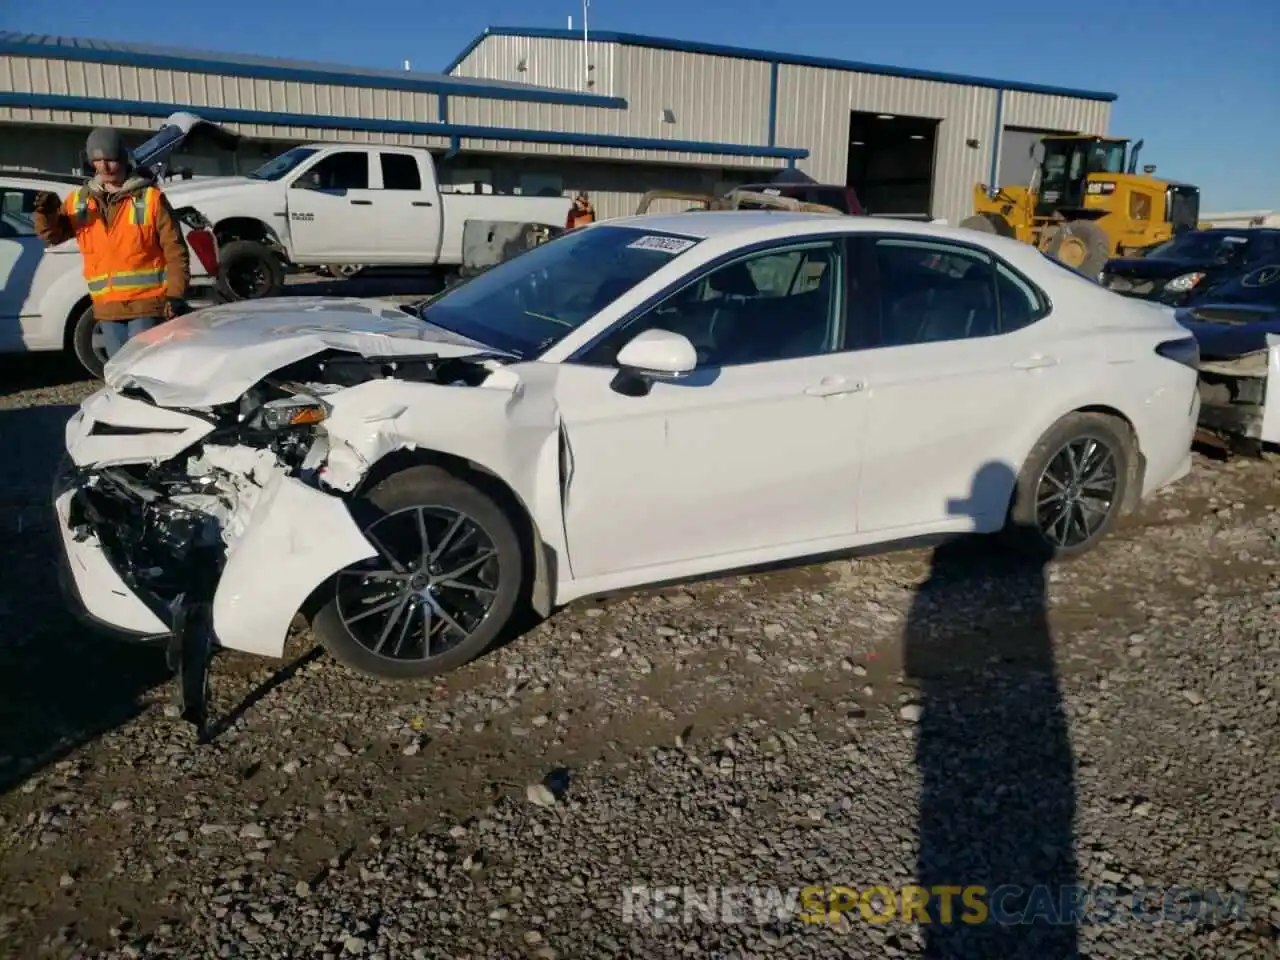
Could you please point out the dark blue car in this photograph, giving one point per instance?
(1193, 265)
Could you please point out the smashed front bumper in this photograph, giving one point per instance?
(139, 578)
(89, 570)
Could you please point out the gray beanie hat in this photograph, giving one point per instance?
(104, 143)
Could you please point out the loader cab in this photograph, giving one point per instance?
(1182, 207)
(1065, 166)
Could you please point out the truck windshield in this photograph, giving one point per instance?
(528, 303)
(277, 167)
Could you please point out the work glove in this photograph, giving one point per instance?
(47, 203)
(175, 307)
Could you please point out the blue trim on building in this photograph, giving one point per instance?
(266, 68)
(52, 101)
(773, 103)
(799, 60)
(997, 135)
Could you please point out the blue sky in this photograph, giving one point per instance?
(1199, 80)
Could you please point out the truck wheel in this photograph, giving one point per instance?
(85, 341)
(449, 580)
(248, 270)
(1083, 246)
(988, 223)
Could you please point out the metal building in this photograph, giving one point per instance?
(547, 111)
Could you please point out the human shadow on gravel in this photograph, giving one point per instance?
(61, 685)
(997, 807)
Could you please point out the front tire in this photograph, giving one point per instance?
(248, 270)
(447, 581)
(86, 343)
(1072, 487)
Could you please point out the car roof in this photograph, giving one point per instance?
(754, 225)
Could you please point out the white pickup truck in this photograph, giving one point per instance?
(326, 204)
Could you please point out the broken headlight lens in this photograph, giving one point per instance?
(291, 412)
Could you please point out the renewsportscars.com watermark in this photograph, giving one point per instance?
(1005, 905)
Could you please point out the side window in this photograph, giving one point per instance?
(400, 172)
(779, 304)
(1020, 304)
(933, 292)
(17, 213)
(340, 171)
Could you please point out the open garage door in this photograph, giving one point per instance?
(1016, 163)
(891, 161)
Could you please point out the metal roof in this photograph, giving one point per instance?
(271, 68)
(774, 56)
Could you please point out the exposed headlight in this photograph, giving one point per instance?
(291, 412)
(1184, 283)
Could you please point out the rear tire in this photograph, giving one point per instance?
(1083, 246)
(481, 600)
(85, 345)
(1102, 453)
(248, 270)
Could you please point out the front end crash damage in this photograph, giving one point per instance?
(239, 511)
(1240, 396)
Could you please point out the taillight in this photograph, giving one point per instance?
(205, 246)
(1184, 350)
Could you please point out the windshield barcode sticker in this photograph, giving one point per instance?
(664, 244)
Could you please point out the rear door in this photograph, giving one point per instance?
(333, 213)
(951, 385)
(409, 214)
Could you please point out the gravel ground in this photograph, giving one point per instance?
(923, 717)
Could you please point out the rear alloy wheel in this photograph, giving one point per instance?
(1073, 486)
(444, 584)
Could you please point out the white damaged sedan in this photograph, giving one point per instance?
(642, 400)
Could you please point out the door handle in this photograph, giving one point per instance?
(833, 386)
(422, 203)
(1035, 363)
(363, 203)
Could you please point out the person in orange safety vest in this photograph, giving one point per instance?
(582, 212)
(136, 261)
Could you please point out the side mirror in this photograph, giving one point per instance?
(653, 355)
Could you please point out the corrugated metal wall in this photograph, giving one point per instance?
(814, 107)
(711, 98)
(1040, 110)
(651, 80)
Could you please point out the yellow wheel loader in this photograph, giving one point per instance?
(1086, 204)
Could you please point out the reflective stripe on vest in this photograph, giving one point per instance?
(125, 261)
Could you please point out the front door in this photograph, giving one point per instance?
(757, 449)
(333, 216)
(950, 386)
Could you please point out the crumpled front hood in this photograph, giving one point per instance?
(213, 356)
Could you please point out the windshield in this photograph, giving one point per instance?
(1201, 245)
(277, 167)
(528, 303)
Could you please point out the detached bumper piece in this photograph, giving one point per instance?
(117, 543)
(1241, 397)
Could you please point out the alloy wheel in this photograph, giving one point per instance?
(1077, 491)
(431, 586)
